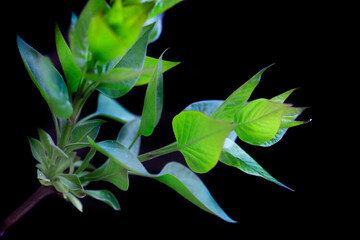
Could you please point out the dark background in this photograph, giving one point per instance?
(221, 45)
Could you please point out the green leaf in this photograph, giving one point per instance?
(111, 172)
(74, 201)
(104, 196)
(161, 6)
(288, 119)
(84, 130)
(156, 32)
(150, 63)
(113, 33)
(237, 100)
(79, 41)
(86, 162)
(200, 139)
(120, 155)
(127, 135)
(72, 182)
(46, 141)
(71, 70)
(259, 121)
(38, 152)
(153, 102)
(47, 79)
(234, 156)
(110, 108)
(133, 59)
(116, 75)
(188, 185)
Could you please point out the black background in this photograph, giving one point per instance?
(221, 45)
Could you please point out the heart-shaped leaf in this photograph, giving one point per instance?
(259, 121)
(47, 79)
(200, 139)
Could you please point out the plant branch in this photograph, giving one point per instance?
(39, 194)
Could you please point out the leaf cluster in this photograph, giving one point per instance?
(106, 52)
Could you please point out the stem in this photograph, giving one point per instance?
(40, 193)
(158, 152)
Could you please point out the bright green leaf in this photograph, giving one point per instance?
(234, 156)
(150, 63)
(104, 196)
(79, 41)
(47, 79)
(156, 32)
(71, 70)
(237, 100)
(116, 75)
(187, 184)
(153, 102)
(259, 121)
(200, 139)
(133, 59)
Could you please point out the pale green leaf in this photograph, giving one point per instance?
(74, 200)
(161, 6)
(259, 121)
(234, 156)
(127, 135)
(200, 139)
(104, 196)
(207, 107)
(38, 152)
(84, 130)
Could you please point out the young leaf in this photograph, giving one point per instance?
(71, 70)
(47, 79)
(72, 182)
(79, 41)
(200, 139)
(110, 108)
(116, 75)
(133, 59)
(38, 152)
(187, 184)
(287, 121)
(150, 63)
(104, 196)
(156, 32)
(113, 33)
(84, 130)
(237, 100)
(153, 102)
(259, 121)
(234, 156)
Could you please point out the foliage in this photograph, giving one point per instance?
(107, 53)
